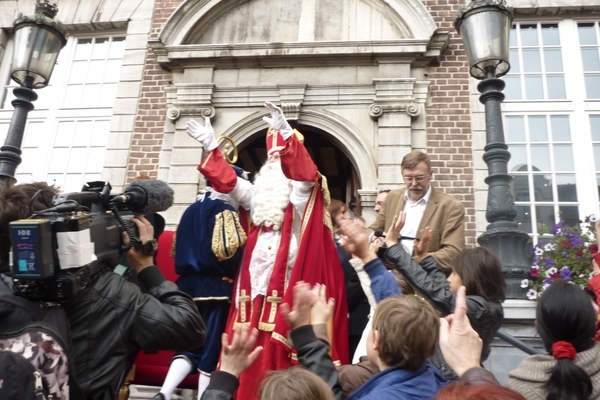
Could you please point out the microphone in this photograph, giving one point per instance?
(379, 233)
(146, 196)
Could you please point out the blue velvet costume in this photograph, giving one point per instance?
(207, 255)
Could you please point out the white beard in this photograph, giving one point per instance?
(271, 196)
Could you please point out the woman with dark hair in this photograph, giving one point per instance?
(566, 323)
(478, 269)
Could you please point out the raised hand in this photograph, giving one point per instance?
(278, 121)
(203, 134)
(391, 238)
(304, 299)
(460, 344)
(323, 308)
(238, 355)
(355, 240)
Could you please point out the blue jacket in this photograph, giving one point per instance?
(396, 383)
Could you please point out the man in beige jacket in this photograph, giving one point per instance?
(424, 206)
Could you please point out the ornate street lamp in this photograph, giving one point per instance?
(484, 26)
(38, 41)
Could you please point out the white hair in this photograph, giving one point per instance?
(271, 196)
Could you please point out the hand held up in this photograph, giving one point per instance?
(322, 309)
(304, 299)
(393, 233)
(238, 355)
(278, 121)
(205, 135)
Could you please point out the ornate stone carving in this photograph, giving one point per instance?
(377, 110)
(291, 110)
(173, 114)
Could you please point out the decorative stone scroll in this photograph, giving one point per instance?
(174, 113)
(291, 110)
(377, 110)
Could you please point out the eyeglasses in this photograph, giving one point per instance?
(419, 179)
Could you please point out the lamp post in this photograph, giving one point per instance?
(38, 41)
(484, 26)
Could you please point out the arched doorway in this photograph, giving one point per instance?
(332, 162)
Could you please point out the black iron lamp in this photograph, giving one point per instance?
(484, 26)
(38, 41)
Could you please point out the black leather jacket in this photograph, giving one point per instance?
(112, 320)
(485, 316)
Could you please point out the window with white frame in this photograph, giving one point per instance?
(552, 121)
(65, 137)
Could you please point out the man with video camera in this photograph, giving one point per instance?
(110, 319)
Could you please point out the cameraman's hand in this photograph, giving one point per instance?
(137, 259)
(203, 134)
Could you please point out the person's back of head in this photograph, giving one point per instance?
(466, 391)
(295, 383)
(566, 323)
(18, 202)
(407, 329)
(480, 270)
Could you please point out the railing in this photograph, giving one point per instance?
(519, 344)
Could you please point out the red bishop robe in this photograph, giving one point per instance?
(316, 262)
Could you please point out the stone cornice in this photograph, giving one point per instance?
(296, 53)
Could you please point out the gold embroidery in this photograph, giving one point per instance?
(243, 300)
(274, 300)
(282, 339)
(208, 156)
(228, 235)
(172, 252)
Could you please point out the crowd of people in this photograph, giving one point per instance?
(284, 293)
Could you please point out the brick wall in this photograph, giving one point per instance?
(449, 140)
(148, 132)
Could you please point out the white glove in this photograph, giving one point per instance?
(203, 134)
(278, 121)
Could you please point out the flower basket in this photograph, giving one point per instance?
(563, 252)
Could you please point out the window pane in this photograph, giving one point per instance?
(553, 60)
(550, 35)
(529, 35)
(108, 94)
(597, 156)
(512, 90)
(587, 36)
(34, 134)
(556, 87)
(534, 89)
(117, 47)
(112, 71)
(598, 183)
(540, 156)
(514, 61)
(100, 49)
(513, 37)
(95, 159)
(566, 187)
(515, 128)
(73, 183)
(59, 160)
(570, 214)
(524, 218)
(100, 135)
(78, 159)
(518, 158)
(595, 127)
(96, 71)
(521, 187)
(64, 134)
(91, 95)
(538, 129)
(83, 133)
(545, 215)
(542, 188)
(78, 72)
(590, 60)
(592, 86)
(531, 61)
(561, 132)
(73, 96)
(563, 158)
(83, 50)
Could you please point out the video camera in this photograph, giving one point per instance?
(59, 251)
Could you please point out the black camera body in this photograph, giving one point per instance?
(49, 247)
